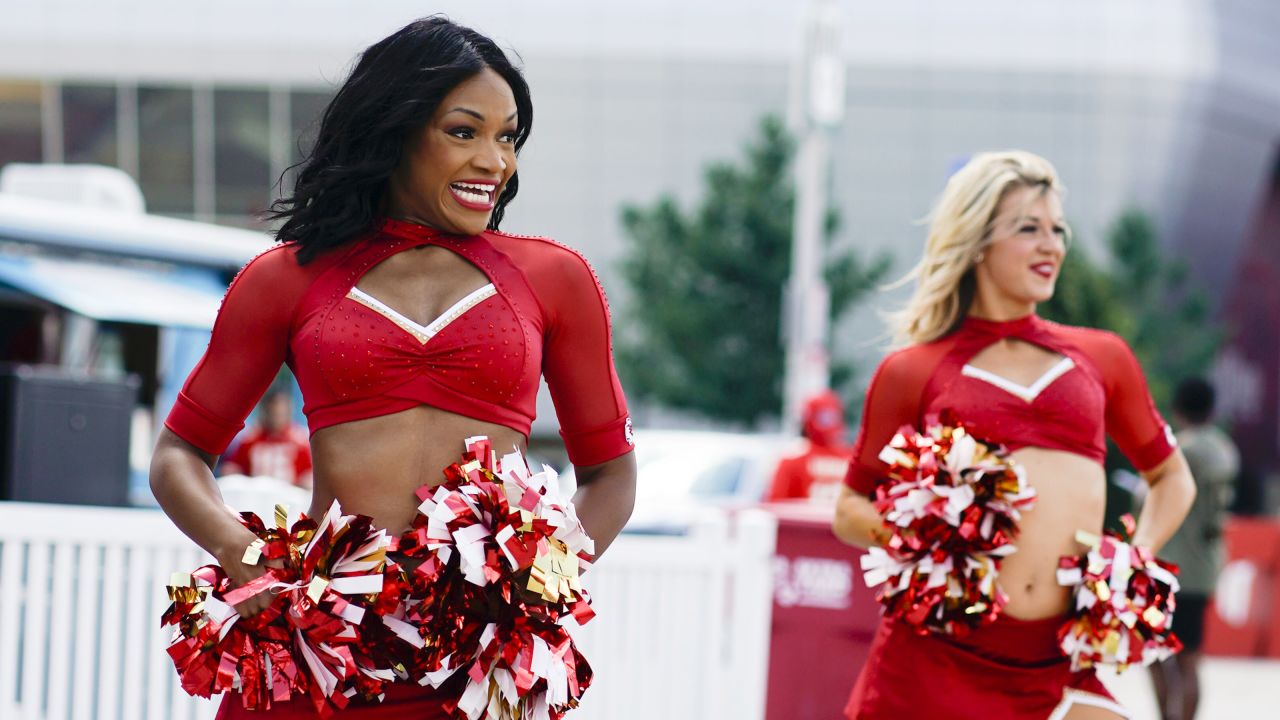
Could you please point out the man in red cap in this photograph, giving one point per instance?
(816, 473)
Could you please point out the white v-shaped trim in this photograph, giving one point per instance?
(424, 332)
(1026, 393)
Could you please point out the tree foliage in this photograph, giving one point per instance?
(703, 332)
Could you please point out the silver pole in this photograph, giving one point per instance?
(806, 299)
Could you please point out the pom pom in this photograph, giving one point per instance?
(490, 571)
(502, 553)
(1123, 600)
(952, 505)
(305, 643)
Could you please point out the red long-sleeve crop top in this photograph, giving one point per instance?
(543, 312)
(1096, 390)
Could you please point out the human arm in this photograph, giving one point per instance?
(246, 349)
(1172, 491)
(857, 522)
(590, 405)
(1145, 438)
(605, 498)
(182, 482)
(893, 400)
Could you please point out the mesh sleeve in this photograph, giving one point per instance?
(578, 362)
(1133, 421)
(246, 349)
(893, 400)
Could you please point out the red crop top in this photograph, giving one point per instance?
(1096, 390)
(542, 312)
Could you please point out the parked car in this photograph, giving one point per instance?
(682, 472)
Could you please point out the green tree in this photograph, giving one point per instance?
(704, 326)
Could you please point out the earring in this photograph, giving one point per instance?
(979, 257)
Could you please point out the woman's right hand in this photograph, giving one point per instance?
(857, 522)
(242, 573)
(182, 482)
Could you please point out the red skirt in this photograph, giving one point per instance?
(401, 701)
(1009, 670)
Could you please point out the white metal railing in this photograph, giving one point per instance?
(682, 627)
(683, 623)
(81, 592)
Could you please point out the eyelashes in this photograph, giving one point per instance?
(1058, 230)
(463, 132)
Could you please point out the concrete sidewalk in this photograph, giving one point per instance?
(1232, 689)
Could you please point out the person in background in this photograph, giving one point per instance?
(275, 447)
(970, 341)
(1197, 546)
(815, 474)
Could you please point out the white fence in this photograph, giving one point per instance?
(81, 592)
(682, 627)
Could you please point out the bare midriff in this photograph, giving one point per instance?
(373, 466)
(1070, 496)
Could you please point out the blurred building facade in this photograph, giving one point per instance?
(1169, 106)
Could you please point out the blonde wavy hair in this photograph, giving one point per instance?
(959, 228)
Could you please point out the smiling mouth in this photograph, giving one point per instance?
(1044, 270)
(475, 196)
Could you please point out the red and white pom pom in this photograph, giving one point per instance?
(503, 550)
(1124, 603)
(952, 505)
(302, 644)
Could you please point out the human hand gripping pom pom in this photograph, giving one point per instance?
(306, 642)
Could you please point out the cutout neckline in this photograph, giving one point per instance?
(408, 236)
(1024, 392)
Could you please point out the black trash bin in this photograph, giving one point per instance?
(64, 437)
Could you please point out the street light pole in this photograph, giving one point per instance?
(806, 299)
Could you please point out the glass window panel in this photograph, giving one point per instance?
(305, 110)
(166, 149)
(241, 151)
(20, 122)
(89, 124)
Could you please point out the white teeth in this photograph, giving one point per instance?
(471, 197)
(475, 186)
